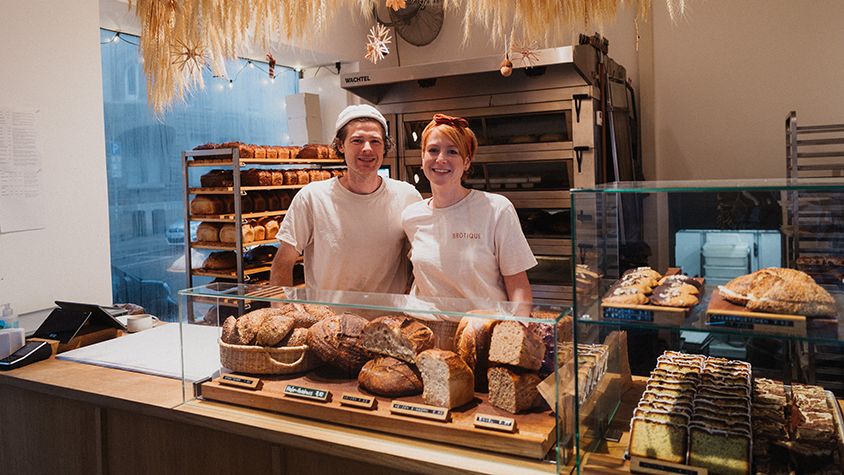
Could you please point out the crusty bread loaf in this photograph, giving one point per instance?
(247, 328)
(296, 337)
(511, 391)
(208, 232)
(336, 341)
(513, 344)
(291, 178)
(228, 233)
(259, 232)
(387, 376)
(206, 204)
(313, 151)
(471, 342)
(216, 179)
(273, 203)
(220, 260)
(397, 336)
(302, 177)
(256, 177)
(271, 225)
(779, 290)
(229, 334)
(273, 329)
(259, 203)
(448, 380)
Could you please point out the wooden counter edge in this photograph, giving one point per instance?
(162, 397)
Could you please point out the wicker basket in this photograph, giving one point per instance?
(267, 360)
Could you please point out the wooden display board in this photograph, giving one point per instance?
(723, 313)
(534, 434)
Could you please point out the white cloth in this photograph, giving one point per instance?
(350, 241)
(464, 251)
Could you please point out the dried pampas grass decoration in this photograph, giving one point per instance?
(180, 37)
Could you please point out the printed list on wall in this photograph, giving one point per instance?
(21, 175)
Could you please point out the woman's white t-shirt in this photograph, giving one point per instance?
(464, 250)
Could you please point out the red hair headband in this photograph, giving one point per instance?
(458, 123)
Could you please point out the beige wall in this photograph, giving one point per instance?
(726, 76)
(51, 63)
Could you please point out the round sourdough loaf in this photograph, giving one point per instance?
(397, 336)
(336, 341)
(387, 376)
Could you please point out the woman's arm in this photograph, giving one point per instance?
(518, 290)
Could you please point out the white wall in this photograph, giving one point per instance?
(51, 63)
(725, 78)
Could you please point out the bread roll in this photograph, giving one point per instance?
(229, 334)
(296, 337)
(273, 329)
(336, 341)
(387, 376)
(511, 391)
(471, 342)
(448, 380)
(397, 336)
(206, 204)
(208, 232)
(513, 344)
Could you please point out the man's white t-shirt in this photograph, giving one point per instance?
(464, 250)
(350, 241)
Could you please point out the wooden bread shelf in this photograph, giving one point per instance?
(230, 273)
(228, 246)
(217, 190)
(229, 218)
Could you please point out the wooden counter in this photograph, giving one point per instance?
(71, 418)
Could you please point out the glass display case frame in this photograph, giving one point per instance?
(204, 309)
(623, 225)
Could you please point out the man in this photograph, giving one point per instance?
(349, 228)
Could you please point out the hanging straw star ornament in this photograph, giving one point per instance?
(376, 49)
(187, 57)
(396, 4)
(526, 51)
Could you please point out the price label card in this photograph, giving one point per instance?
(419, 410)
(658, 467)
(495, 422)
(306, 393)
(358, 400)
(247, 382)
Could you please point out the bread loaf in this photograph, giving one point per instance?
(273, 329)
(336, 341)
(296, 337)
(206, 204)
(244, 151)
(313, 151)
(208, 232)
(229, 334)
(387, 376)
(259, 232)
(302, 177)
(228, 233)
(216, 179)
(471, 342)
(513, 344)
(247, 328)
(511, 391)
(291, 177)
(448, 381)
(397, 336)
(259, 203)
(220, 260)
(271, 225)
(256, 177)
(273, 203)
(206, 146)
(260, 255)
(284, 199)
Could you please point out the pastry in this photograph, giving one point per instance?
(448, 382)
(625, 296)
(387, 376)
(397, 336)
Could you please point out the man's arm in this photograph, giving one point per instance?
(281, 272)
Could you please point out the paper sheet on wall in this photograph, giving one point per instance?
(21, 176)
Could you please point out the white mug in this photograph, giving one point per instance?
(136, 323)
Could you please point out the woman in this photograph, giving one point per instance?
(464, 243)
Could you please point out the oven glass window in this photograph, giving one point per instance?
(505, 129)
(545, 223)
(527, 176)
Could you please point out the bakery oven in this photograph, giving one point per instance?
(538, 136)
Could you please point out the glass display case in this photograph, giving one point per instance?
(688, 354)
(521, 411)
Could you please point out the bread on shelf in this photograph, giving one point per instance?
(336, 341)
(514, 344)
(513, 391)
(471, 342)
(208, 232)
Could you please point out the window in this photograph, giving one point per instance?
(144, 161)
